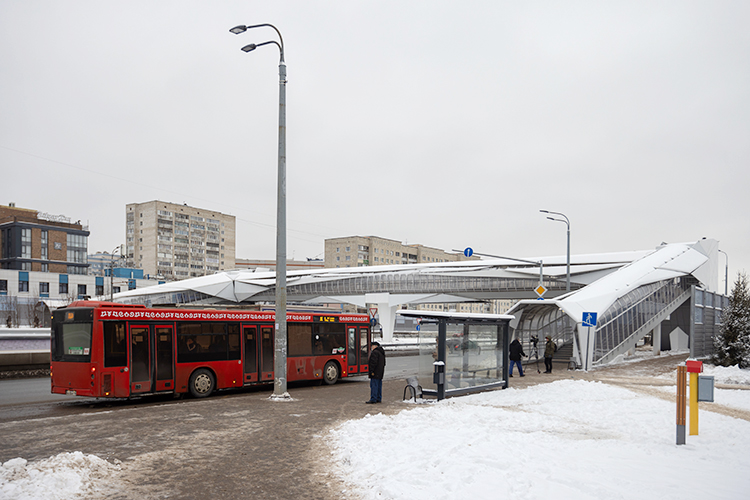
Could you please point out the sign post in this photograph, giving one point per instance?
(589, 321)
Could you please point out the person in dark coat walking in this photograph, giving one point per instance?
(515, 355)
(376, 364)
(549, 351)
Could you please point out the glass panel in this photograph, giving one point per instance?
(139, 355)
(300, 339)
(115, 344)
(76, 340)
(164, 354)
(251, 350)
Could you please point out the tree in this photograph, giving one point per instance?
(732, 344)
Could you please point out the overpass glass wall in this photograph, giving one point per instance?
(540, 321)
(633, 313)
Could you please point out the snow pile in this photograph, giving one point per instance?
(727, 374)
(63, 476)
(564, 440)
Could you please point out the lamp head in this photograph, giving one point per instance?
(239, 29)
(249, 48)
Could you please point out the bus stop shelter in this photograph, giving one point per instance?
(461, 353)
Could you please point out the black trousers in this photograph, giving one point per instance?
(548, 364)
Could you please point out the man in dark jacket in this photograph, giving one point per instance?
(376, 364)
(515, 355)
(549, 351)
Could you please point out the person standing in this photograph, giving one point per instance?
(515, 355)
(549, 351)
(376, 364)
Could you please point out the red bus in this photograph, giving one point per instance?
(103, 349)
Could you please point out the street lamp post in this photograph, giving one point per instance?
(726, 274)
(280, 341)
(567, 223)
(112, 272)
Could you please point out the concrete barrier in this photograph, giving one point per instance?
(24, 360)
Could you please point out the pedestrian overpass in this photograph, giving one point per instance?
(632, 293)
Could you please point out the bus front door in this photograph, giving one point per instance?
(364, 349)
(357, 349)
(150, 373)
(259, 349)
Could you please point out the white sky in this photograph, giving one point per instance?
(448, 124)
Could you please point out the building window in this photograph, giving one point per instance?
(25, 243)
(63, 290)
(3, 287)
(115, 289)
(44, 289)
(81, 291)
(77, 248)
(100, 289)
(45, 267)
(23, 282)
(45, 242)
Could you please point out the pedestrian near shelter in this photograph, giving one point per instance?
(461, 353)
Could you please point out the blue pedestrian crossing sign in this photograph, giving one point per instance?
(589, 319)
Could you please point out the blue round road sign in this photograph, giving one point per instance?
(469, 252)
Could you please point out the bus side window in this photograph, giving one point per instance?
(115, 344)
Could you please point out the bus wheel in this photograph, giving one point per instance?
(202, 383)
(331, 373)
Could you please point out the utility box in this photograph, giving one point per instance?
(706, 388)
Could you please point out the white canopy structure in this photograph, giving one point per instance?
(597, 281)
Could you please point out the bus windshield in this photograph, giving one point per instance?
(72, 342)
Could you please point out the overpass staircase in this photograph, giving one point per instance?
(650, 310)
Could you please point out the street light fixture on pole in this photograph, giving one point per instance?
(280, 341)
(567, 223)
(726, 274)
(120, 249)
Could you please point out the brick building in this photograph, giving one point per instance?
(35, 241)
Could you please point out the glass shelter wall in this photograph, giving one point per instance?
(474, 356)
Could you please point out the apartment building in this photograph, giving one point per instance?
(358, 251)
(178, 241)
(34, 241)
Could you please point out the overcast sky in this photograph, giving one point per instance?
(449, 124)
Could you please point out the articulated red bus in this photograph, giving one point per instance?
(103, 349)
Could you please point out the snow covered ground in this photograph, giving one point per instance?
(567, 439)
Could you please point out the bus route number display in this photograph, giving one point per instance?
(326, 319)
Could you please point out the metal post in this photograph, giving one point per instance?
(280, 343)
(693, 404)
(567, 223)
(681, 383)
(726, 274)
(440, 365)
(112, 273)
(280, 338)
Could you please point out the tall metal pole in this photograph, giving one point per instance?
(726, 274)
(112, 273)
(280, 344)
(567, 223)
(280, 338)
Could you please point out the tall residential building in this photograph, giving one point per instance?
(34, 241)
(358, 251)
(178, 241)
